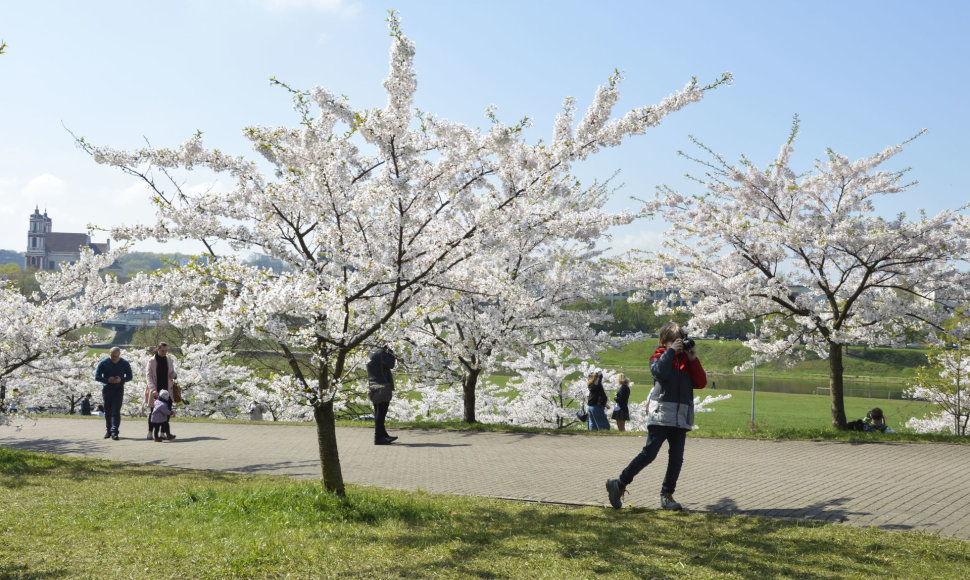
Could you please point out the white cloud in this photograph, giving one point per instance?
(44, 187)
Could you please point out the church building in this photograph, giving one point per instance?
(47, 249)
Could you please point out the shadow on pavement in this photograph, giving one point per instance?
(271, 468)
(432, 445)
(824, 511)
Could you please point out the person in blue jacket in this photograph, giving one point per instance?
(676, 373)
(113, 372)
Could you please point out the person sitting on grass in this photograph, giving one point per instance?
(876, 421)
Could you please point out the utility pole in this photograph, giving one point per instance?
(754, 373)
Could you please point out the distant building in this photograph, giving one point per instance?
(46, 249)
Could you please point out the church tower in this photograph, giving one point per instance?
(40, 226)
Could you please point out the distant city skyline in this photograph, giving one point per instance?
(862, 76)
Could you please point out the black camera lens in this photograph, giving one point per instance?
(689, 343)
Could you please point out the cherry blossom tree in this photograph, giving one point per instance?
(56, 383)
(516, 300)
(367, 209)
(809, 257)
(49, 324)
(945, 380)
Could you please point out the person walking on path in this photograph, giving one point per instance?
(381, 384)
(596, 402)
(113, 372)
(676, 373)
(621, 410)
(86, 404)
(160, 415)
(161, 375)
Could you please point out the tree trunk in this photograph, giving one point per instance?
(333, 479)
(836, 385)
(468, 391)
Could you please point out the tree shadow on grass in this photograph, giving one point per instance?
(23, 572)
(19, 468)
(631, 543)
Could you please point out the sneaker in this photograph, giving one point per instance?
(158, 439)
(170, 436)
(107, 435)
(115, 436)
(150, 436)
(667, 502)
(383, 441)
(391, 438)
(616, 489)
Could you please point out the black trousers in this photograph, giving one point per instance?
(156, 426)
(380, 414)
(656, 435)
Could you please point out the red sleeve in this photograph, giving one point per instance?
(696, 373)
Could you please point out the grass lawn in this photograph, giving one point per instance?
(721, 356)
(71, 517)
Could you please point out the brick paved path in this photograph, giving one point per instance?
(895, 486)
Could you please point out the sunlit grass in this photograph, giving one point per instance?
(69, 517)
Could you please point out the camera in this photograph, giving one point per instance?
(689, 343)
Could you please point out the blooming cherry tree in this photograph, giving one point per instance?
(57, 383)
(945, 381)
(46, 325)
(809, 256)
(513, 301)
(368, 209)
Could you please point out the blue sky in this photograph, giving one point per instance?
(862, 75)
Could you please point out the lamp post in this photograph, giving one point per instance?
(754, 373)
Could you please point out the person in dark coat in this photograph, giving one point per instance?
(596, 402)
(381, 383)
(113, 372)
(86, 404)
(621, 410)
(676, 373)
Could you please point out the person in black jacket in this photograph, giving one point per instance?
(381, 384)
(621, 410)
(596, 404)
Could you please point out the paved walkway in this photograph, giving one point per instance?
(894, 486)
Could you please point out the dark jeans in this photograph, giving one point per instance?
(597, 418)
(113, 396)
(155, 428)
(380, 413)
(656, 435)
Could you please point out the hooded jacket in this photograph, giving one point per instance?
(162, 409)
(379, 367)
(671, 401)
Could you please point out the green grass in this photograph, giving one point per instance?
(871, 364)
(71, 517)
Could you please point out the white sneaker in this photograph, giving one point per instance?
(667, 502)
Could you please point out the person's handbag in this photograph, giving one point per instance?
(176, 392)
(380, 393)
(582, 413)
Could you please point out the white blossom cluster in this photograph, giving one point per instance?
(945, 382)
(37, 332)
